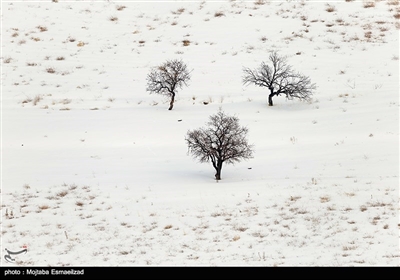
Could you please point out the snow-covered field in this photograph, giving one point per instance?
(95, 170)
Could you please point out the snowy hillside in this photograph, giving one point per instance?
(96, 171)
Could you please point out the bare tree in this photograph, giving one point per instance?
(223, 141)
(279, 78)
(167, 78)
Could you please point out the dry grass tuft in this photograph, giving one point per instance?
(378, 204)
(393, 2)
(27, 100)
(41, 28)
(368, 34)
(65, 101)
(36, 100)
(259, 2)
(314, 181)
(330, 8)
(7, 60)
(324, 199)
(44, 207)
(294, 198)
(219, 14)
(236, 238)
(79, 203)
(241, 228)
(62, 193)
(349, 194)
(348, 248)
(186, 43)
(120, 8)
(339, 21)
(369, 4)
(50, 70)
(178, 12)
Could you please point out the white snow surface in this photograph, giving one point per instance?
(95, 171)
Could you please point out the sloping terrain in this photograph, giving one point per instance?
(95, 170)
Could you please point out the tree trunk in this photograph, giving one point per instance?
(171, 104)
(218, 168)
(270, 103)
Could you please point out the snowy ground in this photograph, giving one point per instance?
(95, 170)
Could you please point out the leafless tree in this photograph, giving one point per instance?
(279, 78)
(167, 78)
(223, 141)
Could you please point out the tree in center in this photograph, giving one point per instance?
(222, 141)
